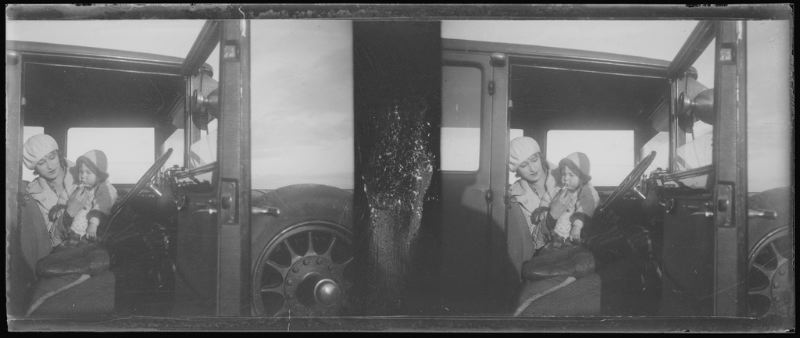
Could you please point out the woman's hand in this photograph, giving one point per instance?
(539, 215)
(55, 212)
(79, 200)
(575, 232)
(91, 229)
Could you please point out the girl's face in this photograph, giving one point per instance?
(531, 169)
(49, 166)
(570, 180)
(87, 176)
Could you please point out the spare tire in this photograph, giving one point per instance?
(301, 256)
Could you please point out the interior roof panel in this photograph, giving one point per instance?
(542, 94)
(87, 96)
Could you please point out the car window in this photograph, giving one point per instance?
(697, 151)
(130, 151)
(695, 148)
(660, 144)
(610, 152)
(461, 113)
(175, 142)
(203, 142)
(204, 146)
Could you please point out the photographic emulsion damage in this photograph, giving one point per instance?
(502, 168)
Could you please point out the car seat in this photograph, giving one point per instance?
(69, 281)
(560, 282)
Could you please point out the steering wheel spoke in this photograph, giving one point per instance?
(143, 182)
(629, 182)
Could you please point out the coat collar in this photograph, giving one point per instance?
(39, 185)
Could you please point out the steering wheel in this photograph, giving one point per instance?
(629, 182)
(143, 182)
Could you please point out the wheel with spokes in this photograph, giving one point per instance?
(304, 271)
(303, 254)
(770, 276)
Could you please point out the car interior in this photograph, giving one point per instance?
(61, 93)
(543, 99)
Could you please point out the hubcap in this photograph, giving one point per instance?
(327, 292)
(304, 272)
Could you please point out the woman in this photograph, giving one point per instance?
(530, 194)
(53, 186)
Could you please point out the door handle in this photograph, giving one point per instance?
(209, 211)
(271, 211)
(204, 208)
(768, 214)
(705, 212)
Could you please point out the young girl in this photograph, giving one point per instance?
(574, 203)
(92, 172)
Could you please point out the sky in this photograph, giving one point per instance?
(301, 94)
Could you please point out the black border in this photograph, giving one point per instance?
(412, 12)
(403, 12)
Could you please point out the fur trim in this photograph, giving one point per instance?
(96, 213)
(579, 216)
(538, 212)
(56, 211)
(105, 196)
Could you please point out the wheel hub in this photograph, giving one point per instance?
(310, 285)
(327, 292)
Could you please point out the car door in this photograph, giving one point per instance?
(704, 244)
(473, 149)
(213, 249)
(15, 282)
